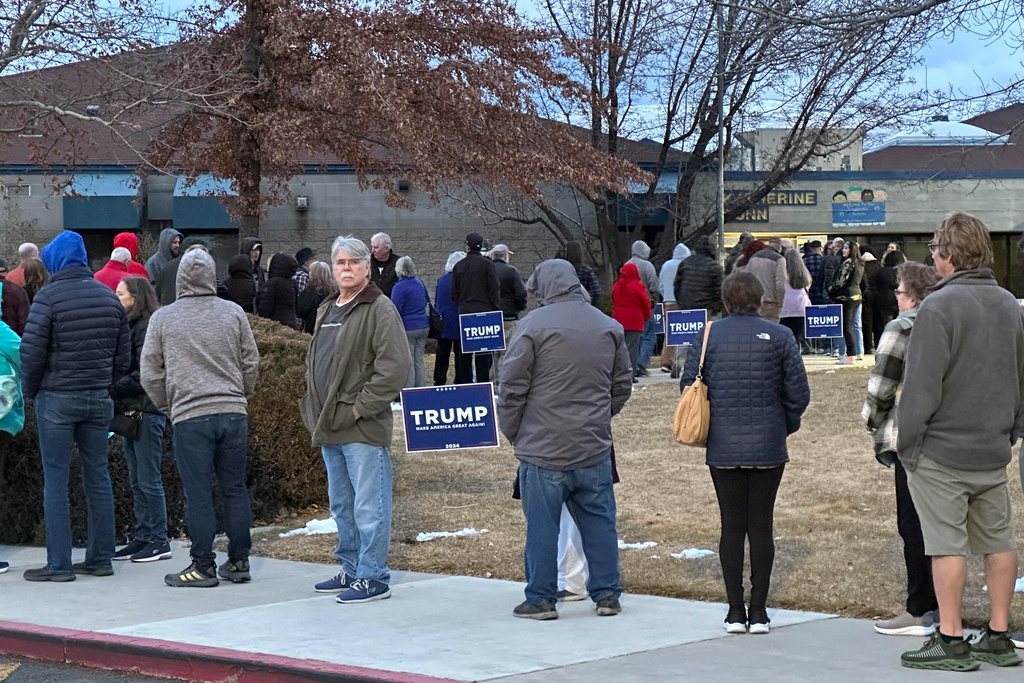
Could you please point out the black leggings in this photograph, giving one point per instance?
(746, 498)
(920, 590)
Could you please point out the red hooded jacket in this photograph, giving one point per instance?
(630, 303)
(129, 241)
(112, 273)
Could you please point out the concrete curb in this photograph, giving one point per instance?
(177, 660)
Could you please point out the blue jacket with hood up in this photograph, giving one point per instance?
(76, 337)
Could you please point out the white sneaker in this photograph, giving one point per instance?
(735, 627)
(907, 625)
(759, 628)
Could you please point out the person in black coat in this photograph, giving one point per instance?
(166, 284)
(757, 391)
(698, 282)
(239, 286)
(144, 455)
(883, 283)
(320, 287)
(475, 290)
(279, 298)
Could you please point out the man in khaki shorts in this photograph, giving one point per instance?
(961, 412)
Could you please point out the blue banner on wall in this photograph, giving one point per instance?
(449, 418)
(482, 332)
(658, 313)
(684, 327)
(823, 321)
(858, 213)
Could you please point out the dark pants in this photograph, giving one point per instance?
(920, 591)
(441, 358)
(850, 309)
(797, 326)
(65, 419)
(746, 499)
(203, 445)
(633, 348)
(143, 458)
(483, 367)
(867, 317)
(587, 494)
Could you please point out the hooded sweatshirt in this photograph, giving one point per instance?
(648, 275)
(239, 286)
(667, 277)
(76, 337)
(279, 298)
(129, 241)
(156, 262)
(247, 244)
(566, 372)
(190, 370)
(630, 305)
(166, 283)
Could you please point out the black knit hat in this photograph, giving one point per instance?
(304, 254)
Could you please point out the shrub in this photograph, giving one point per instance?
(284, 470)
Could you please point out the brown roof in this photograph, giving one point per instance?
(951, 158)
(1001, 121)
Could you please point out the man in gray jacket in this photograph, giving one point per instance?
(648, 276)
(961, 412)
(769, 267)
(566, 373)
(199, 365)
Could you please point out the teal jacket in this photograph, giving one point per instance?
(10, 364)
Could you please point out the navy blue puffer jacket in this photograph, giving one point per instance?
(757, 388)
(76, 337)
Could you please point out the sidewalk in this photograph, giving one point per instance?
(433, 628)
(812, 363)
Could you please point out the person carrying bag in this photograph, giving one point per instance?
(693, 412)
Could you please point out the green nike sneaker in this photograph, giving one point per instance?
(938, 655)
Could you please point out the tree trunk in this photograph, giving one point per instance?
(250, 170)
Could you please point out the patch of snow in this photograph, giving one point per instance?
(431, 535)
(636, 546)
(314, 527)
(1017, 588)
(693, 554)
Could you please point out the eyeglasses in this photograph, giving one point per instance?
(351, 263)
(933, 247)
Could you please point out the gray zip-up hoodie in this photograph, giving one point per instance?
(200, 357)
(565, 374)
(648, 275)
(155, 263)
(963, 387)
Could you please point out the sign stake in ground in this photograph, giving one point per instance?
(683, 328)
(449, 418)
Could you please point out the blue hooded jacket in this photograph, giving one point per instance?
(76, 337)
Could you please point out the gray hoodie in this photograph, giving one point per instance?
(565, 374)
(667, 277)
(155, 263)
(648, 275)
(200, 357)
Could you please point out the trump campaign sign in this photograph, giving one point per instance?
(482, 332)
(658, 313)
(823, 321)
(683, 327)
(449, 418)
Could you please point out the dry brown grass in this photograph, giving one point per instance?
(837, 549)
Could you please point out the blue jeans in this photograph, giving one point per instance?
(647, 343)
(587, 493)
(143, 458)
(359, 492)
(858, 331)
(63, 419)
(203, 445)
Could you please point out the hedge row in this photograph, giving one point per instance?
(284, 470)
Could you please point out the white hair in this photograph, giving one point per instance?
(453, 258)
(404, 267)
(121, 255)
(383, 238)
(27, 251)
(351, 246)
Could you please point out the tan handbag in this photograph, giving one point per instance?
(693, 413)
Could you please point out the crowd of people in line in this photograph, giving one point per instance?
(119, 350)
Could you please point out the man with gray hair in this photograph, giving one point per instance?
(769, 268)
(25, 252)
(117, 268)
(382, 263)
(201, 376)
(358, 361)
(511, 295)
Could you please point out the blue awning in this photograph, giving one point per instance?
(102, 202)
(197, 207)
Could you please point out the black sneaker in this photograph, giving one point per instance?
(608, 606)
(194, 576)
(153, 552)
(569, 596)
(129, 550)
(91, 570)
(44, 574)
(4, 567)
(235, 571)
(542, 611)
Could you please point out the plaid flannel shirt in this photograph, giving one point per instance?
(879, 410)
(301, 278)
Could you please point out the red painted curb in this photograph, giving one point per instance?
(179, 660)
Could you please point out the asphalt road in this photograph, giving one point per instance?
(18, 670)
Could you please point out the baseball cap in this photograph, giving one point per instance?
(501, 249)
(474, 241)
